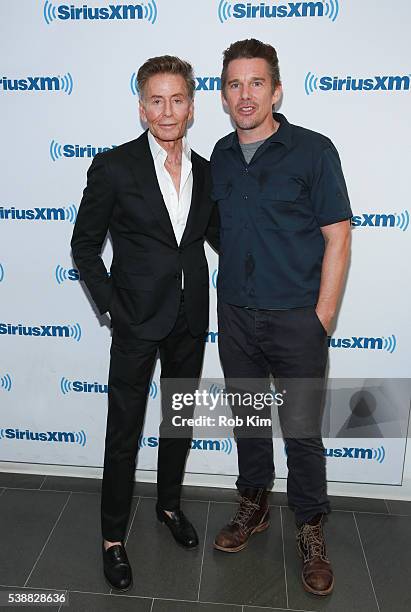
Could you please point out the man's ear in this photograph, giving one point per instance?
(278, 92)
(142, 111)
(191, 113)
(223, 100)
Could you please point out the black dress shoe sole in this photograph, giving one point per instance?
(116, 588)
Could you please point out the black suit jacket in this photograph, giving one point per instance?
(143, 291)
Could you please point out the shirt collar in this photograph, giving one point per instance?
(156, 149)
(282, 135)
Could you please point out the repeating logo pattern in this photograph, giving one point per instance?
(66, 437)
(399, 221)
(118, 12)
(58, 151)
(214, 277)
(223, 445)
(382, 343)
(39, 83)
(42, 331)
(230, 9)
(374, 454)
(6, 382)
(325, 83)
(65, 274)
(69, 213)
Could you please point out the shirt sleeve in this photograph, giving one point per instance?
(329, 194)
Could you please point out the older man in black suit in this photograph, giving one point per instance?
(152, 195)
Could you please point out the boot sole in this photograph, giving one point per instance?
(310, 589)
(314, 592)
(257, 529)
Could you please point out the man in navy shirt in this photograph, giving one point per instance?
(284, 249)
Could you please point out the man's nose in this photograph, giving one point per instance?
(168, 110)
(245, 92)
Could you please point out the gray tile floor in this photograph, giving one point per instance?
(50, 539)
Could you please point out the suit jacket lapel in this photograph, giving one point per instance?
(145, 174)
(198, 181)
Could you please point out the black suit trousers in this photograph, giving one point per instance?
(131, 369)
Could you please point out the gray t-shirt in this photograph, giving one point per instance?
(250, 148)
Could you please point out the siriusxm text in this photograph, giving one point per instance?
(110, 12)
(262, 10)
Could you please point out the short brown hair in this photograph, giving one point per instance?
(166, 64)
(248, 49)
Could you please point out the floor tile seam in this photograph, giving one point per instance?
(366, 562)
(43, 481)
(203, 553)
(48, 538)
(284, 561)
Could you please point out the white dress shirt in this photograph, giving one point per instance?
(178, 204)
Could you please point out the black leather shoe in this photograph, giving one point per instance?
(117, 569)
(181, 528)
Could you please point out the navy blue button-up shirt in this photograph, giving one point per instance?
(271, 212)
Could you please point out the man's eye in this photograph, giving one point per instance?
(234, 86)
(258, 83)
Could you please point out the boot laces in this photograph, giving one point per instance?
(312, 542)
(244, 512)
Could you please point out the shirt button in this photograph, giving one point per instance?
(245, 170)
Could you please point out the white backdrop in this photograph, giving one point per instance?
(67, 87)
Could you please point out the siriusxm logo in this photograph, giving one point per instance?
(64, 274)
(39, 83)
(1, 272)
(77, 386)
(42, 331)
(69, 213)
(57, 151)
(223, 445)
(5, 382)
(382, 343)
(212, 337)
(313, 83)
(204, 83)
(146, 11)
(82, 386)
(67, 437)
(214, 277)
(376, 454)
(399, 221)
(230, 9)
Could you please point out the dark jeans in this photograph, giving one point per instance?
(292, 346)
(131, 368)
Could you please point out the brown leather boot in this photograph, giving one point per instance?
(251, 517)
(317, 573)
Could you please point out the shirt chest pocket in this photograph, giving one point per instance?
(221, 194)
(283, 208)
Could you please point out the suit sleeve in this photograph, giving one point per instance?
(90, 231)
(213, 229)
